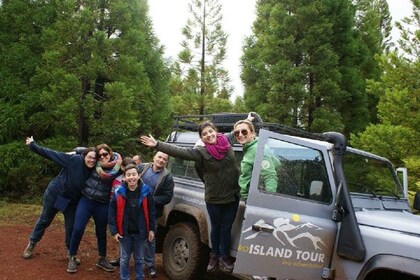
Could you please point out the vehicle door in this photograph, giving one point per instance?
(287, 230)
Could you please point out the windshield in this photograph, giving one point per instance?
(375, 176)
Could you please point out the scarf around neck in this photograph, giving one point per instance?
(115, 164)
(218, 150)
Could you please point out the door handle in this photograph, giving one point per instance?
(261, 228)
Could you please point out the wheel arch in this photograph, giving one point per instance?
(187, 213)
(390, 265)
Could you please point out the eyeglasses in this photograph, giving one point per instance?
(103, 155)
(243, 131)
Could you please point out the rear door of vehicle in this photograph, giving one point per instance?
(288, 232)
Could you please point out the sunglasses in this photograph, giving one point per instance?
(103, 155)
(243, 131)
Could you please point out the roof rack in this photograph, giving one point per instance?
(225, 121)
(294, 131)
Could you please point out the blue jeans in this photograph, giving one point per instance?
(131, 244)
(47, 216)
(222, 217)
(150, 251)
(85, 209)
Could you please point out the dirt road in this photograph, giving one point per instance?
(49, 260)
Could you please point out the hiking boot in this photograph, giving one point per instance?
(152, 272)
(27, 254)
(72, 266)
(226, 264)
(213, 262)
(105, 265)
(115, 262)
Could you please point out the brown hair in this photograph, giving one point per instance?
(126, 161)
(106, 148)
(205, 124)
(131, 166)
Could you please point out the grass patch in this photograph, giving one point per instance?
(22, 213)
(18, 213)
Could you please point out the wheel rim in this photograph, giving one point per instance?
(181, 253)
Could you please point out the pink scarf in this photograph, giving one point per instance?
(218, 150)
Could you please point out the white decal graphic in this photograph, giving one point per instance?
(282, 229)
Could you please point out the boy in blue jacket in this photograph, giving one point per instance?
(131, 219)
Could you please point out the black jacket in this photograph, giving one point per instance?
(99, 189)
(220, 176)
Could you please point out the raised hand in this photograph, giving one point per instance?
(148, 140)
(250, 116)
(29, 140)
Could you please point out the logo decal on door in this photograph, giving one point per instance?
(285, 232)
(301, 242)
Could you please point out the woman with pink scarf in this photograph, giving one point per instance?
(216, 159)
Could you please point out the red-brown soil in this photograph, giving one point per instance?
(49, 260)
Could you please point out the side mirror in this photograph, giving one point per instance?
(416, 201)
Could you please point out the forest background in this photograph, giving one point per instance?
(83, 72)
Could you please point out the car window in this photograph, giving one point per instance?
(183, 168)
(294, 170)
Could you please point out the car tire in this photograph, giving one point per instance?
(184, 256)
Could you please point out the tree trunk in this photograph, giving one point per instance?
(203, 57)
(83, 126)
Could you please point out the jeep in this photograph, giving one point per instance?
(338, 212)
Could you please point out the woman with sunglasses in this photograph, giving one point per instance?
(214, 155)
(244, 132)
(94, 203)
(63, 192)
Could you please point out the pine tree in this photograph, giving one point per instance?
(77, 72)
(398, 108)
(21, 26)
(353, 105)
(102, 75)
(201, 84)
(300, 66)
(373, 21)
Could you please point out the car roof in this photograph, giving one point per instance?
(189, 138)
(183, 137)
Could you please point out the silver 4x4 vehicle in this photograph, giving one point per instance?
(338, 212)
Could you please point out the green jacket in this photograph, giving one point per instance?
(268, 168)
(220, 176)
